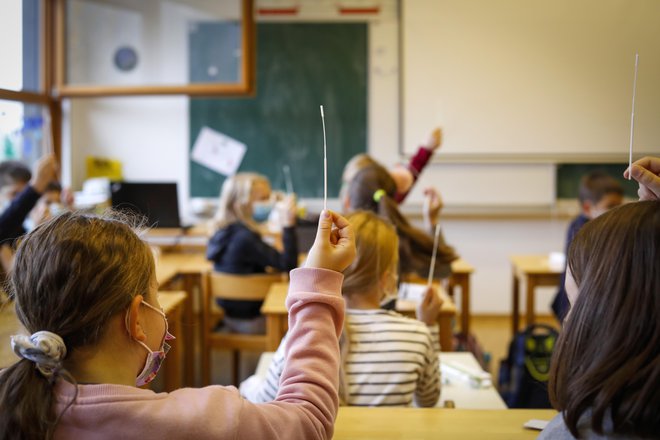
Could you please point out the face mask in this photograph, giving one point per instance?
(154, 358)
(261, 211)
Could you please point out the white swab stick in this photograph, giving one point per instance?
(287, 179)
(435, 252)
(632, 117)
(325, 165)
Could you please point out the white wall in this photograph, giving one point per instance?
(150, 136)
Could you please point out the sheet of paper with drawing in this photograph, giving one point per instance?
(218, 152)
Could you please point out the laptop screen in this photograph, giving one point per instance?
(159, 202)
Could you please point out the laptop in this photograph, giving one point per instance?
(159, 202)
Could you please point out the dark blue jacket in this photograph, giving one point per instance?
(560, 304)
(239, 250)
(12, 218)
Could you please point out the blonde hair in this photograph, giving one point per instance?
(234, 204)
(377, 252)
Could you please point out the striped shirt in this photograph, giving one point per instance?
(392, 361)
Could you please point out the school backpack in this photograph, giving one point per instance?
(523, 378)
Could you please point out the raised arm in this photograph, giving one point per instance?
(307, 402)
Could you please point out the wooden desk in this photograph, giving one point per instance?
(535, 270)
(172, 304)
(458, 390)
(461, 271)
(277, 316)
(184, 271)
(435, 423)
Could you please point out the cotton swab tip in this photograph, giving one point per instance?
(322, 112)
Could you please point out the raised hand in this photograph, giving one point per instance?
(334, 247)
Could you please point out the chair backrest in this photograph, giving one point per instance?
(241, 287)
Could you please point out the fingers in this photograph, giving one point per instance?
(325, 226)
(646, 194)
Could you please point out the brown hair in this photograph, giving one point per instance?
(607, 359)
(13, 171)
(595, 185)
(377, 252)
(70, 276)
(373, 189)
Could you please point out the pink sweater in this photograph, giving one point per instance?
(305, 408)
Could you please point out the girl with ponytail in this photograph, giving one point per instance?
(371, 187)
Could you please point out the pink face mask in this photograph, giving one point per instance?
(154, 358)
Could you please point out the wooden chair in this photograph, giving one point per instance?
(232, 287)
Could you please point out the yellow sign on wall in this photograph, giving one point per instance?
(103, 167)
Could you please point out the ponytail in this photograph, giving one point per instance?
(26, 403)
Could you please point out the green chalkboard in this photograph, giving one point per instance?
(299, 67)
(569, 175)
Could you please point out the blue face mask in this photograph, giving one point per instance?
(261, 211)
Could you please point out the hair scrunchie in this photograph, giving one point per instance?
(379, 195)
(44, 348)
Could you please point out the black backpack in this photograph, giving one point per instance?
(523, 378)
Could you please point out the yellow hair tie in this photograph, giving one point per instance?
(379, 195)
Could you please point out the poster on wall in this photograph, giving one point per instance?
(218, 152)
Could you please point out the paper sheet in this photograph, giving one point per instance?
(218, 152)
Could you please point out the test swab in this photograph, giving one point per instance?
(632, 117)
(325, 165)
(287, 179)
(435, 252)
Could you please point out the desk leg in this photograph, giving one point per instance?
(465, 303)
(274, 330)
(192, 284)
(515, 312)
(174, 357)
(446, 336)
(531, 286)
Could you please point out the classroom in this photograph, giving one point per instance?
(492, 171)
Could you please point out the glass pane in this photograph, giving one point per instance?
(153, 42)
(20, 43)
(21, 131)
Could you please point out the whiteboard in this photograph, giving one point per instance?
(531, 78)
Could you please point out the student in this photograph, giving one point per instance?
(373, 189)
(605, 371)
(404, 176)
(646, 172)
(20, 194)
(387, 359)
(598, 193)
(237, 246)
(54, 201)
(86, 291)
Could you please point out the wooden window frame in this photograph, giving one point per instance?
(44, 97)
(245, 87)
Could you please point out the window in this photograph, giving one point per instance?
(124, 47)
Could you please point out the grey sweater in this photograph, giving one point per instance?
(557, 430)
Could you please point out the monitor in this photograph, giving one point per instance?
(159, 202)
